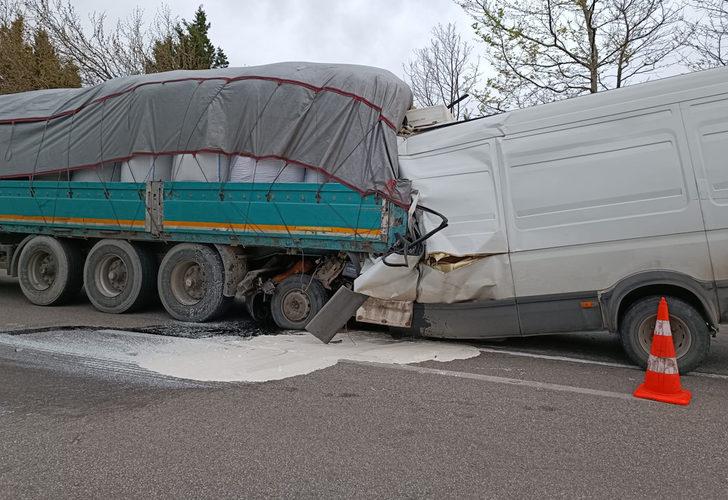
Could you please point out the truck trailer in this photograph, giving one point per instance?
(270, 183)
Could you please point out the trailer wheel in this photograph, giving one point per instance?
(50, 271)
(119, 276)
(296, 300)
(190, 282)
(690, 332)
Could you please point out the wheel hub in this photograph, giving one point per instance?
(111, 276)
(194, 282)
(296, 305)
(189, 283)
(42, 270)
(681, 336)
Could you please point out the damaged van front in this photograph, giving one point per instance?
(574, 216)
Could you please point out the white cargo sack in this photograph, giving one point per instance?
(201, 167)
(147, 168)
(242, 169)
(313, 176)
(105, 173)
(246, 169)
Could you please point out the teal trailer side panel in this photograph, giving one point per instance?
(299, 215)
(295, 211)
(73, 206)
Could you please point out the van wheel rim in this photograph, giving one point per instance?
(111, 276)
(188, 283)
(42, 270)
(681, 336)
(296, 306)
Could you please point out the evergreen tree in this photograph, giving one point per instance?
(28, 61)
(50, 71)
(15, 58)
(188, 46)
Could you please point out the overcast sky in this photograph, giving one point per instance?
(379, 33)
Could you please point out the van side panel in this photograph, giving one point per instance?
(706, 122)
(590, 203)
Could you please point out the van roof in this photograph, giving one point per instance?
(643, 95)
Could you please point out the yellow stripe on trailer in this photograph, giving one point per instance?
(204, 226)
(41, 219)
(270, 228)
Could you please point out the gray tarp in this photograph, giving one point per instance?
(340, 119)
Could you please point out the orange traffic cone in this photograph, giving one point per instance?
(662, 380)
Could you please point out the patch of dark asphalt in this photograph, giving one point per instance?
(238, 328)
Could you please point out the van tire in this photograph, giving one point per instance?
(50, 271)
(190, 283)
(296, 300)
(691, 333)
(119, 276)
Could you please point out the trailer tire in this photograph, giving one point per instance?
(691, 333)
(50, 271)
(296, 300)
(191, 281)
(119, 276)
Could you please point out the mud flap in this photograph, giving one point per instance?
(335, 313)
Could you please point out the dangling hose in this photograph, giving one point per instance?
(405, 247)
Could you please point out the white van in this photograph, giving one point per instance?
(591, 209)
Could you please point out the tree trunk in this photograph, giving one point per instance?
(593, 50)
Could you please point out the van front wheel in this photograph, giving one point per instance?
(690, 332)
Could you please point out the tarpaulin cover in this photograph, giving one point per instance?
(339, 119)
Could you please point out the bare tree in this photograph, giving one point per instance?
(443, 71)
(9, 11)
(543, 50)
(101, 50)
(709, 35)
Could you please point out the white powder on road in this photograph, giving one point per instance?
(281, 356)
(228, 358)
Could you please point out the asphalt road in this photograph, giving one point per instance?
(544, 417)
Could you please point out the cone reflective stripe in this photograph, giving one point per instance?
(662, 380)
(662, 328)
(667, 366)
(662, 346)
